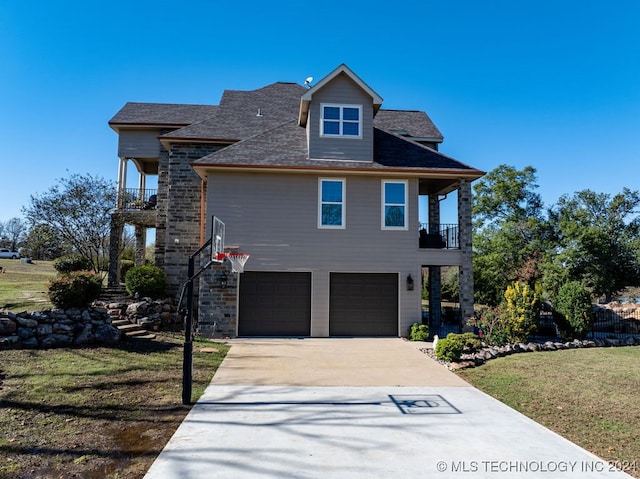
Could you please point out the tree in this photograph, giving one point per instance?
(79, 210)
(44, 243)
(598, 240)
(509, 231)
(13, 233)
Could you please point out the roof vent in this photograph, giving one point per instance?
(259, 112)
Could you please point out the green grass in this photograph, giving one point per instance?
(101, 412)
(23, 286)
(590, 396)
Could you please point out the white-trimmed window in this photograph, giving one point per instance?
(331, 203)
(341, 120)
(394, 205)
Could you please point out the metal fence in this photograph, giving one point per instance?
(137, 199)
(618, 323)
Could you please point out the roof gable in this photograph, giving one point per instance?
(340, 70)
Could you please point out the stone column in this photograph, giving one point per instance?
(141, 244)
(435, 272)
(115, 238)
(466, 268)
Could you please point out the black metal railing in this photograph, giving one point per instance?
(618, 323)
(137, 199)
(439, 236)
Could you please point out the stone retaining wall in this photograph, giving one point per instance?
(56, 328)
(150, 314)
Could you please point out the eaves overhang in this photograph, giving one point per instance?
(434, 173)
(145, 126)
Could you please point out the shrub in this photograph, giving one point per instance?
(77, 289)
(146, 281)
(419, 332)
(573, 313)
(521, 312)
(490, 324)
(452, 347)
(71, 263)
(125, 266)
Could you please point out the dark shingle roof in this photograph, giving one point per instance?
(416, 124)
(285, 147)
(162, 114)
(242, 114)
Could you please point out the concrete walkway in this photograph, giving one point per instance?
(358, 408)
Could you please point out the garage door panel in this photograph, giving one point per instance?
(363, 304)
(275, 304)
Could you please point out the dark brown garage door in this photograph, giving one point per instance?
(274, 304)
(363, 304)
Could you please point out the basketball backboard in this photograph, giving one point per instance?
(217, 240)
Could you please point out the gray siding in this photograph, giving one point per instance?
(138, 144)
(277, 224)
(341, 90)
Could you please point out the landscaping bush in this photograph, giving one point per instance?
(77, 289)
(490, 324)
(419, 332)
(572, 310)
(71, 263)
(521, 312)
(145, 281)
(452, 347)
(125, 266)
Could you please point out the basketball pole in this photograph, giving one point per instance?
(187, 358)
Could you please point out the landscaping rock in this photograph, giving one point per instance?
(7, 326)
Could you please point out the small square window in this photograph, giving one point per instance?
(341, 120)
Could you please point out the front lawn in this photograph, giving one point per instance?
(23, 286)
(95, 412)
(590, 396)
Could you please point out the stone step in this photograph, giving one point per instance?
(132, 331)
(140, 334)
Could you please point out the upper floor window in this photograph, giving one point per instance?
(341, 120)
(331, 207)
(394, 204)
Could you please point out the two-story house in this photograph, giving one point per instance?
(321, 185)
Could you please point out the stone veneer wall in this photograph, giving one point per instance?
(181, 236)
(218, 315)
(162, 204)
(465, 231)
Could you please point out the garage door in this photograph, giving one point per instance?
(363, 304)
(274, 304)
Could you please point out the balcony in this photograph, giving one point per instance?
(136, 199)
(438, 236)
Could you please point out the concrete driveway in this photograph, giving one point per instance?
(358, 408)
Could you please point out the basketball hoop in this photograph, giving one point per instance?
(236, 259)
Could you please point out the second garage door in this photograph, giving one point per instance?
(274, 304)
(363, 304)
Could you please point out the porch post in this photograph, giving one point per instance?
(466, 268)
(435, 276)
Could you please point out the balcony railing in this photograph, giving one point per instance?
(439, 236)
(136, 199)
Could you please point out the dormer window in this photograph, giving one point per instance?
(341, 120)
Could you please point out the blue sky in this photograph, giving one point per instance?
(552, 84)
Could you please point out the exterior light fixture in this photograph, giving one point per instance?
(223, 280)
(409, 283)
